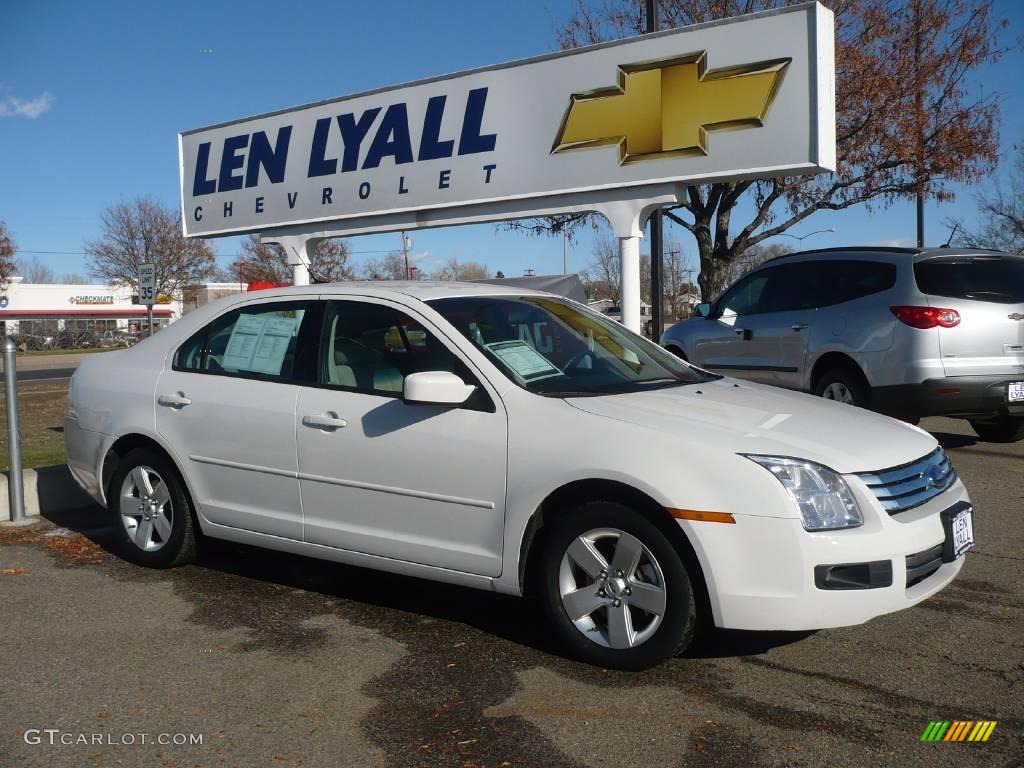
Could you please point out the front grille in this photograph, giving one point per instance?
(923, 564)
(911, 485)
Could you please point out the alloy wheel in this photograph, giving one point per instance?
(839, 392)
(612, 588)
(146, 510)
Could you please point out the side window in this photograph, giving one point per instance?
(793, 287)
(372, 348)
(745, 297)
(257, 341)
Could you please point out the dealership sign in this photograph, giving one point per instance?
(743, 98)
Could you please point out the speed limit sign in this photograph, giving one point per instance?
(147, 284)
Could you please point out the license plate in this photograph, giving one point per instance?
(962, 530)
(1015, 392)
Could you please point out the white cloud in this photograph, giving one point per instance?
(419, 256)
(12, 106)
(898, 242)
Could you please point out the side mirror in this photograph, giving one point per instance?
(703, 310)
(436, 388)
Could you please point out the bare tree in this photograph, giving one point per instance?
(268, 262)
(7, 249)
(391, 267)
(453, 269)
(145, 231)
(35, 271)
(754, 256)
(1000, 212)
(906, 120)
(602, 276)
(73, 278)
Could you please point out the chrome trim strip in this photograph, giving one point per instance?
(397, 491)
(346, 483)
(901, 488)
(241, 465)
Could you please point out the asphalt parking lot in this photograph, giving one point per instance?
(276, 660)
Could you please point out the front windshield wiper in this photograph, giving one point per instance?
(573, 393)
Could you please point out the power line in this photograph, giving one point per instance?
(219, 255)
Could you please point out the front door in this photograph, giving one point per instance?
(729, 342)
(227, 408)
(413, 482)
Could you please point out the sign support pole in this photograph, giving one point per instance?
(657, 260)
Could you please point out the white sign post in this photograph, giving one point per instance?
(147, 290)
(618, 128)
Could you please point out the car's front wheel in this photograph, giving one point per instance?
(1005, 429)
(154, 525)
(615, 591)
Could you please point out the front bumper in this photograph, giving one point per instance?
(760, 572)
(954, 396)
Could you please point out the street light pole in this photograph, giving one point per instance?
(657, 271)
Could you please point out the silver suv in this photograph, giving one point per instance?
(904, 331)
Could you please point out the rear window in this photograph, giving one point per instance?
(998, 279)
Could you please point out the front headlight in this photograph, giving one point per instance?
(824, 499)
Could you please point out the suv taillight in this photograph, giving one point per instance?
(927, 317)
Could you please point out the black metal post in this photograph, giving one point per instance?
(657, 271)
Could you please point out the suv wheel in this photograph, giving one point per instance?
(154, 524)
(614, 589)
(843, 386)
(1005, 429)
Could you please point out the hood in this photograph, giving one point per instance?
(743, 417)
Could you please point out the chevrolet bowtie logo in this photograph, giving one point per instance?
(667, 108)
(1016, 316)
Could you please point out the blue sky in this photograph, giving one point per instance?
(93, 94)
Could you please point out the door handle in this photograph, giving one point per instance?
(798, 326)
(324, 421)
(177, 400)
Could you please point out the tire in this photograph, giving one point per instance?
(844, 385)
(641, 637)
(170, 538)
(1005, 429)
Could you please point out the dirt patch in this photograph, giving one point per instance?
(70, 546)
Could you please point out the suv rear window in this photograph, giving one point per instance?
(998, 279)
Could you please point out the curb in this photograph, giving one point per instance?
(47, 489)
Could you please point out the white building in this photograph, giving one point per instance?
(46, 308)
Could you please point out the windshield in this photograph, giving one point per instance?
(993, 278)
(555, 348)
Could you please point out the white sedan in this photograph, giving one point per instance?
(514, 441)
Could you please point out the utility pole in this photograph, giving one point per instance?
(657, 271)
(528, 272)
(919, 118)
(406, 245)
(565, 252)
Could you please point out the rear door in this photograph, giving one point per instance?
(227, 408)
(987, 290)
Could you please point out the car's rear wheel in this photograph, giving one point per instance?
(1005, 429)
(843, 386)
(154, 524)
(615, 590)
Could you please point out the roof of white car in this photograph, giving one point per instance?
(424, 290)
